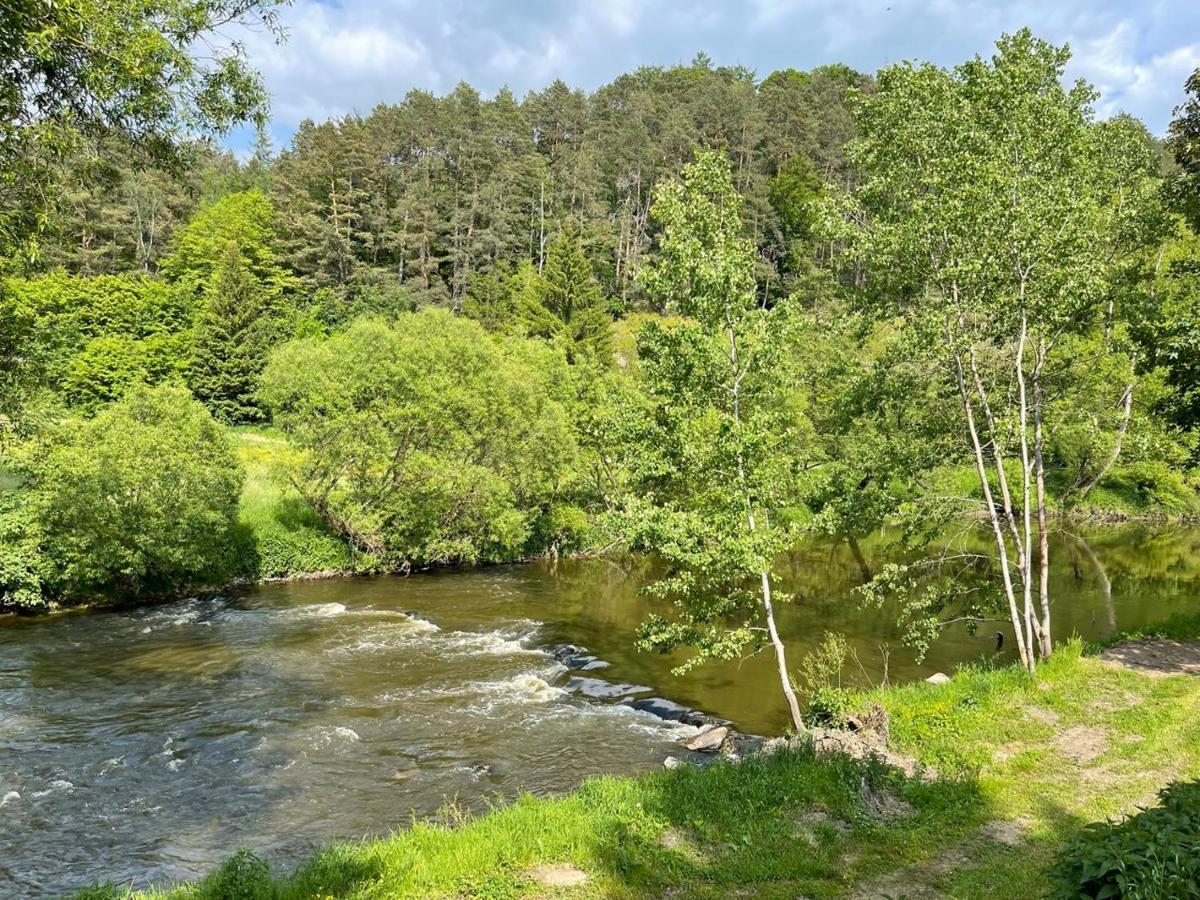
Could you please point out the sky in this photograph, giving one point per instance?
(347, 56)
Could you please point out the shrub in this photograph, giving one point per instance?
(1154, 854)
(428, 440)
(244, 876)
(821, 680)
(142, 500)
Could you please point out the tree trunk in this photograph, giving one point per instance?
(1033, 627)
(1115, 453)
(997, 529)
(765, 576)
(1039, 462)
(780, 657)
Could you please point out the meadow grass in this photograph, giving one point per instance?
(1022, 763)
(281, 536)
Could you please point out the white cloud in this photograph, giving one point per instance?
(350, 56)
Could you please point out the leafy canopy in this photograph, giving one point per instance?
(716, 472)
(138, 502)
(427, 440)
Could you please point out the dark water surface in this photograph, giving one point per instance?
(147, 745)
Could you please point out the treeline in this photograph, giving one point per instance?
(491, 328)
(428, 194)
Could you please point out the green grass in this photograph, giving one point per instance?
(1180, 627)
(1140, 490)
(1023, 763)
(281, 534)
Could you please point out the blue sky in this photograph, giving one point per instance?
(345, 57)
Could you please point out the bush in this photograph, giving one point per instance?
(140, 501)
(821, 680)
(1154, 854)
(94, 337)
(428, 440)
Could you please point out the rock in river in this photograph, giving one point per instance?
(710, 740)
(938, 678)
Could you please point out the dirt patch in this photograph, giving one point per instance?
(1010, 832)
(860, 745)
(812, 825)
(1082, 743)
(558, 875)
(679, 843)
(1156, 657)
(883, 804)
(1042, 715)
(916, 881)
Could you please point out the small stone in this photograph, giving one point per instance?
(707, 741)
(938, 678)
(671, 762)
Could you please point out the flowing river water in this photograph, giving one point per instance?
(147, 745)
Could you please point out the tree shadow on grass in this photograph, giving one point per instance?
(787, 823)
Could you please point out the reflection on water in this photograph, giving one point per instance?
(146, 745)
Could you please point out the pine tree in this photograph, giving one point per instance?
(233, 336)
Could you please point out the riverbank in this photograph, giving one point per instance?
(1023, 764)
(280, 537)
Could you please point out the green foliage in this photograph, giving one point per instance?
(94, 338)
(819, 676)
(1167, 330)
(564, 304)
(83, 70)
(280, 534)
(232, 338)
(139, 502)
(1184, 142)
(225, 260)
(427, 440)
(1179, 627)
(717, 469)
(245, 222)
(244, 876)
(1153, 854)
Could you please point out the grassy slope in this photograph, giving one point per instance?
(1024, 763)
(282, 535)
(1134, 492)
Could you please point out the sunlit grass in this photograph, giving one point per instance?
(282, 535)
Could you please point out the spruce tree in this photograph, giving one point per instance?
(233, 336)
(566, 305)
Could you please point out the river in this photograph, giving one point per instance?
(146, 745)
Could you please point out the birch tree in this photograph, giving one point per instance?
(717, 467)
(993, 210)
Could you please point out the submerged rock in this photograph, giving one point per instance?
(672, 712)
(575, 657)
(710, 740)
(599, 689)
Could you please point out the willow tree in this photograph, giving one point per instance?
(996, 213)
(717, 468)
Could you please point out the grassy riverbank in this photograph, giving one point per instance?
(282, 536)
(1023, 764)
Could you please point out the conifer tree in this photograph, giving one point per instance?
(566, 305)
(233, 335)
